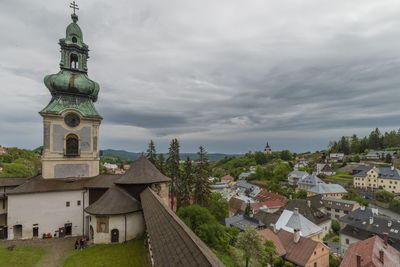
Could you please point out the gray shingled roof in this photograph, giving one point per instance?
(242, 221)
(328, 189)
(142, 171)
(172, 242)
(114, 202)
(12, 181)
(290, 220)
(311, 179)
(383, 172)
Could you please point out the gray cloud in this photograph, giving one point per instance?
(227, 75)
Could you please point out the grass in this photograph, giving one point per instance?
(341, 176)
(130, 254)
(21, 256)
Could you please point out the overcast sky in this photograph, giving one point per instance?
(230, 75)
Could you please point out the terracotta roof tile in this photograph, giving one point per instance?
(268, 234)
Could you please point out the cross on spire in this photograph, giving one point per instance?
(74, 6)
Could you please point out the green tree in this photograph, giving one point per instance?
(333, 261)
(388, 158)
(14, 170)
(277, 262)
(260, 158)
(288, 264)
(185, 184)
(357, 158)
(6, 158)
(173, 168)
(301, 194)
(286, 155)
(281, 171)
(218, 206)
(161, 164)
(270, 251)
(151, 153)
(248, 210)
(202, 190)
(249, 242)
(335, 226)
(259, 172)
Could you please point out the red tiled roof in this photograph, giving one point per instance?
(227, 178)
(369, 249)
(265, 195)
(271, 204)
(268, 234)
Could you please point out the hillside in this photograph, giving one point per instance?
(122, 154)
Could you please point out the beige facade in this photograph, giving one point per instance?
(123, 227)
(55, 161)
(345, 242)
(320, 257)
(332, 195)
(372, 181)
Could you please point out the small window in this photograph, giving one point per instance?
(347, 241)
(74, 40)
(78, 203)
(315, 253)
(67, 203)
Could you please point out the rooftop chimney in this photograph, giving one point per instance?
(392, 168)
(296, 211)
(358, 260)
(296, 235)
(371, 220)
(381, 254)
(385, 238)
(309, 203)
(362, 207)
(389, 223)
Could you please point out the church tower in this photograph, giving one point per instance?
(70, 121)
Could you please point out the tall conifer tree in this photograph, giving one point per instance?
(202, 190)
(173, 168)
(151, 153)
(186, 183)
(161, 163)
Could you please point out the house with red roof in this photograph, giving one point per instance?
(371, 252)
(227, 179)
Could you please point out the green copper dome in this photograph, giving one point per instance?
(71, 87)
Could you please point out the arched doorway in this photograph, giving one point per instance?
(74, 61)
(72, 145)
(17, 230)
(114, 236)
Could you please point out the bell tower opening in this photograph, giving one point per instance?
(74, 61)
(72, 145)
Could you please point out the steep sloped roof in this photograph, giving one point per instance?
(290, 220)
(268, 234)
(142, 172)
(172, 242)
(369, 249)
(113, 202)
(102, 181)
(328, 189)
(12, 181)
(311, 213)
(311, 179)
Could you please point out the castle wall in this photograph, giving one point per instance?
(47, 211)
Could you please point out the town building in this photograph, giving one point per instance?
(295, 176)
(336, 207)
(309, 182)
(371, 252)
(325, 169)
(327, 190)
(267, 150)
(387, 178)
(3, 151)
(242, 221)
(298, 250)
(335, 157)
(363, 223)
(293, 220)
(381, 154)
(227, 179)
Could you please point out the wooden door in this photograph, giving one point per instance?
(35, 231)
(114, 236)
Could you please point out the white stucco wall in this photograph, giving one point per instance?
(343, 245)
(134, 227)
(47, 210)
(326, 226)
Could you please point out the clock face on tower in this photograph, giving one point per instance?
(72, 120)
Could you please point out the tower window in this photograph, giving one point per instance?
(74, 40)
(72, 145)
(74, 61)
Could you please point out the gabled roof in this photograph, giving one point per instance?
(242, 221)
(311, 179)
(328, 189)
(268, 234)
(172, 242)
(300, 252)
(227, 178)
(290, 220)
(267, 218)
(142, 172)
(299, 174)
(369, 249)
(102, 181)
(358, 215)
(311, 213)
(114, 202)
(335, 203)
(12, 181)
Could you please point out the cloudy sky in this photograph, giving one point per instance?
(229, 75)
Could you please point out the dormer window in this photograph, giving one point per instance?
(74, 61)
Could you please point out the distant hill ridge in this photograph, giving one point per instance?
(122, 154)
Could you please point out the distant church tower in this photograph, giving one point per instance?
(267, 150)
(70, 121)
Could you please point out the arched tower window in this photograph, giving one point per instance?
(72, 145)
(74, 61)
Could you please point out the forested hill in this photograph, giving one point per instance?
(122, 154)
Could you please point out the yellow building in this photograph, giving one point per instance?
(387, 178)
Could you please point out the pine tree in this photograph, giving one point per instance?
(202, 184)
(185, 184)
(151, 153)
(161, 163)
(173, 168)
